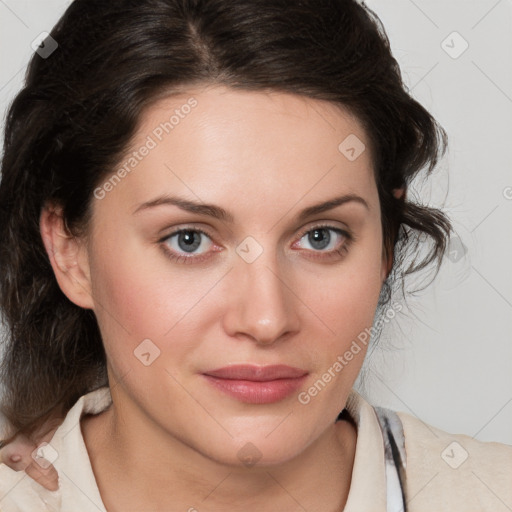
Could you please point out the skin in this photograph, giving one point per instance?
(18, 456)
(170, 440)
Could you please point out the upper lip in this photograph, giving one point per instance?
(257, 373)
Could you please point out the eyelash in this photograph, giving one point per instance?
(323, 255)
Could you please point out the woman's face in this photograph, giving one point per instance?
(271, 281)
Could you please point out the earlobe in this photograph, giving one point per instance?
(399, 193)
(68, 257)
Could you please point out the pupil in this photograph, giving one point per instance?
(319, 238)
(190, 241)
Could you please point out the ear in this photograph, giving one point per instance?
(399, 193)
(68, 257)
(387, 253)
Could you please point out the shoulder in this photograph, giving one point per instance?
(454, 471)
(77, 486)
(19, 493)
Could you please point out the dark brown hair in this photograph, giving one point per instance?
(79, 109)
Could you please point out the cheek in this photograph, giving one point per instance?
(346, 297)
(124, 293)
(345, 301)
(138, 295)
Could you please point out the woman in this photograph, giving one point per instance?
(204, 211)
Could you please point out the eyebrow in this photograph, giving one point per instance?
(219, 213)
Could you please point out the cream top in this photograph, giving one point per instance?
(444, 472)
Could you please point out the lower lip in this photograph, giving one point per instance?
(252, 392)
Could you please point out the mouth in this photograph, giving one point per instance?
(257, 384)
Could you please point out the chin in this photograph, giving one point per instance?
(257, 449)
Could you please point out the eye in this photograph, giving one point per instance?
(193, 245)
(327, 240)
(185, 245)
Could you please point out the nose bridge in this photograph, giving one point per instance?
(263, 306)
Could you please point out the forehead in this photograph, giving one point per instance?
(215, 112)
(218, 144)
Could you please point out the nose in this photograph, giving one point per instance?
(262, 304)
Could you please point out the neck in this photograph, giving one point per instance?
(139, 466)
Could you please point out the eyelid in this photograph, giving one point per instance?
(181, 258)
(176, 230)
(327, 225)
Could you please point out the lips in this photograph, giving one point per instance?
(257, 384)
(257, 373)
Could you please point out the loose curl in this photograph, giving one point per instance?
(80, 108)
